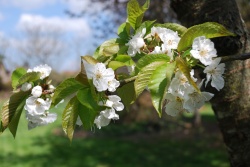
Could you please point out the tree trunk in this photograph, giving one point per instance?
(232, 104)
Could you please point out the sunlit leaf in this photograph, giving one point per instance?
(135, 12)
(144, 76)
(69, 117)
(150, 58)
(16, 75)
(10, 107)
(109, 48)
(209, 30)
(116, 64)
(15, 120)
(159, 83)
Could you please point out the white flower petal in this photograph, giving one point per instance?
(101, 121)
(26, 86)
(37, 91)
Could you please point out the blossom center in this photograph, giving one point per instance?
(203, 53)
(170, 42)
(98, 75)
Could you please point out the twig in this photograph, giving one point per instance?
(125, 81)
(243, 56)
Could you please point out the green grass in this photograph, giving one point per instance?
(40, 147)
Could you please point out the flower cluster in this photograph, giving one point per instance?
(113, 104)
(158, 41)
(104, 79)
(38, 104)
(182, 96)
(203, 49)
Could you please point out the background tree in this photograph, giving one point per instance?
(231, 105)
(4, 74)
(41, 43)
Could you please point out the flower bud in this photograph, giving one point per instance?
(37, 91)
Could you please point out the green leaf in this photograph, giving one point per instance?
(69, 117)
(209, 30)
(135, 13)
(89, 107)
(182, 65)
(86, 98)
(120, 61)
(127, 94)
(125, 59)
(11, 107)
(66, 88)
(15, 120)
(159, 83)
(150, 58)
(109, 48)
(29, 77)
(174, 26)
(144, 76)
(124, 33)
(147, 24)
(16, 75)
(116, 64)
(87, 116)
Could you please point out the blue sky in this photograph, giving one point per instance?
(17, 14)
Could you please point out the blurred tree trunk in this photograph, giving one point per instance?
(232, 104)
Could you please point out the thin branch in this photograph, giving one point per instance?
(243, 56)
(128, 80)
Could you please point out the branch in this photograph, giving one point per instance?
(243, 56)
(128, 80)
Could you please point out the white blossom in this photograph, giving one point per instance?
(214, 72)
(101, 121)
(39, 120)
(136, 43)
(170, 39)
(110, 113)
(179, 84)
(196, 100)
(102, 76)
(45, 70)
(37, 106)
(203, 49)
(37, 91)
(26, 86)
(114, 102)
(113, 84)
(175, 105)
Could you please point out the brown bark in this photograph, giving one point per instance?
(232, 104)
